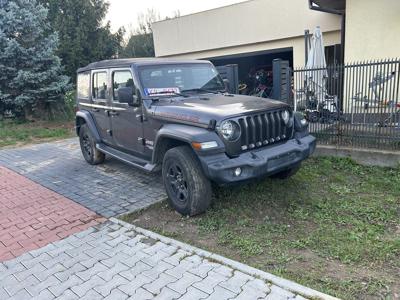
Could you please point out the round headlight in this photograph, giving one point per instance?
(230, 130)
(285, 116)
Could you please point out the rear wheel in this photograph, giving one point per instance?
(189, 191)
(88, 146)
(287, 173)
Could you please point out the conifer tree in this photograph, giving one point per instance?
(31, 80)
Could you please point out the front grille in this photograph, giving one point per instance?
(263, 129)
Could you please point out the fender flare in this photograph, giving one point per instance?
(85, 115)
(185, 134)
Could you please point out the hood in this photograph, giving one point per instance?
(203, 108)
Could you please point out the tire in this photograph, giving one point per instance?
(189, 191)
(88, 146)
(286, 173)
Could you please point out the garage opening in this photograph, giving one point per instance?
(255, 69)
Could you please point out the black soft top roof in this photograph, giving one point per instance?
(127, 62)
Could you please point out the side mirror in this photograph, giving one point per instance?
(125, 95)
(226, 83)
(137, 98)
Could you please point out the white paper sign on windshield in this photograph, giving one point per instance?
(161, 91)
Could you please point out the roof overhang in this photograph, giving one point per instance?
(329, 6)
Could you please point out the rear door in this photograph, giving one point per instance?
(126, 120)
(101, 104)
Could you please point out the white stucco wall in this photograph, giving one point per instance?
(244, 27)
(372, 29)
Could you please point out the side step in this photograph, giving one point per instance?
(127, 158)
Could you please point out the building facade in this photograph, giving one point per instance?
(247, 29)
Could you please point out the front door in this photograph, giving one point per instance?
(100, 105)
(126, 124)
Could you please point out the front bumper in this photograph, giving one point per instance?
(259, 162)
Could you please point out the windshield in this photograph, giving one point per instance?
(179, 78)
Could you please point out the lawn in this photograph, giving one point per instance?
(17, 133)
(334, 227)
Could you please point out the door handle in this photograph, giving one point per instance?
(113, 113)
(95, 110)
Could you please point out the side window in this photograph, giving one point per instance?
(82, 85)
(99, 86)
(123, 86)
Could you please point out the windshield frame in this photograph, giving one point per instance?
(140, 67)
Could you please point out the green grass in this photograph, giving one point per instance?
(15, 133)
(335, 227)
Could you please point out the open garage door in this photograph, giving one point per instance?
(255, 69)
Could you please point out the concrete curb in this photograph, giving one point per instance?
(368, 157)
(281, 282)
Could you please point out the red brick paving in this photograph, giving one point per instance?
(32, 216)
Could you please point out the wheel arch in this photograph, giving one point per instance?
(174, 135)
(84, 117)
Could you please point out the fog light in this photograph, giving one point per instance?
(237, 172)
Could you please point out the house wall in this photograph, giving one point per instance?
(244, 27)
(372, 29)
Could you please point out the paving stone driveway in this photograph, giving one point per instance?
(109, 189)
(32, 216)
(113, 261)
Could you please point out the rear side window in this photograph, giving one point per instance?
(82, 85)
(99, 86)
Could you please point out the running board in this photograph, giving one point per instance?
(126, 158)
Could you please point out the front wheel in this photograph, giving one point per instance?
(189, 191)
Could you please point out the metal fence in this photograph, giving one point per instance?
(351, 105)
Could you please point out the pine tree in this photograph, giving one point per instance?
(84, 36)
(30, 72)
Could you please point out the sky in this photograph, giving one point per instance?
(125, 12)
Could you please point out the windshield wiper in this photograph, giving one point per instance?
(202, 90)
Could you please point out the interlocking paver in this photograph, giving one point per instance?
(111, 284)
(109, 189)
(236, 282)
(207, 284)
(156, 286)
(116, 294)
(167, 294)
(141, 294)
(278, 293)
(32, 216)
(194, 294)
(58, 290)
(221, 294)
(172, 274)
(95, 269)
(182, 284)
(131, 287)
(85, 286)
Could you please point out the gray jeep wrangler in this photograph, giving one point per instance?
(176, 116)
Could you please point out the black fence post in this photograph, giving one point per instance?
(281, 77)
